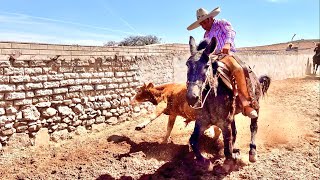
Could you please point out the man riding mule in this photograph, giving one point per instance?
(224, 33)
(316, 58)
(218, 101)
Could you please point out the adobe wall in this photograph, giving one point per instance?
(66, 89)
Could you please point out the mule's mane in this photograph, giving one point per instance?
(203, 44)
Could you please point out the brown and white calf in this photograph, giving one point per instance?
(169, 99)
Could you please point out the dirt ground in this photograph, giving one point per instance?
(287, 143)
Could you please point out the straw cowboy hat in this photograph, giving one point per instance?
(203, 14)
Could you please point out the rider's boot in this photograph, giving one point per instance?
(243, 94)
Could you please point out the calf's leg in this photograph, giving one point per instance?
(158, 111)
(171, 120)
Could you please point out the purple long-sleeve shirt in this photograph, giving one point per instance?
(223, 31)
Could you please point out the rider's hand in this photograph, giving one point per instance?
(226, 48)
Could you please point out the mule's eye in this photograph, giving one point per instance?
(206, 66)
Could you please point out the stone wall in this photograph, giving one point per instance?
(62, 88)
(65, 88)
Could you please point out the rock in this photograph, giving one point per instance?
(8, 125)
(108, 97)
(11, 110)
(42, 137)
(57, 135)
(49, 112)
(2, 111)
(8, 132)
(43, 104)
(34, 128)
(80, 130)
(106, 105)
(66, 120)
(3, 139)
(76, 100)
(125, 101)
(100, 119)
(71, 128)
(98, 127)
(84, 100)
(30, 113)
(19, 140)
(21, 129)
(67, 102)
(76, 123)
(65, 110)
(56, 119)
(89, 122)
(63, 126)
(115, 103)
(78, 109)
(100, 98)
(112, 121)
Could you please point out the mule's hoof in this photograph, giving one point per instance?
(236, 151)
(139, 128)
(167, 140)
(253, 158)
(205, 164)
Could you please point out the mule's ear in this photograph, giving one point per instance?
(193, 46)
(211, 46)
(150, 85)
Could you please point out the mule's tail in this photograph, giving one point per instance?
(265, 83)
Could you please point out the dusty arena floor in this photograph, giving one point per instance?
(287, 143)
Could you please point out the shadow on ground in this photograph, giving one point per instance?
(180, 161)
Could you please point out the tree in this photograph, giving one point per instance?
(111, 43)
(136, 41)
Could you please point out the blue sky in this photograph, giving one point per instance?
(94, 22)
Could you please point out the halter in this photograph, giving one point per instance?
(209, 80)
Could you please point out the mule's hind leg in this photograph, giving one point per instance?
(234, 137)
(253, 148)
(171, 120)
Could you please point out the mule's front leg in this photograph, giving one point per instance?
(253, 148)
(194, 141)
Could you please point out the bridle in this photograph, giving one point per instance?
(202, 86)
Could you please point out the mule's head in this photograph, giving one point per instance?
(197, 68)
(144, 94)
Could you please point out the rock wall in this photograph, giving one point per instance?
(62, 88)
(65, 88)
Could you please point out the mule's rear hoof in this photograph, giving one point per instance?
(167, 140)
(205, 164)
(236, 151)
(253, 158)
(139, 128)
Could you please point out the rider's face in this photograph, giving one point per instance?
(206, 24)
